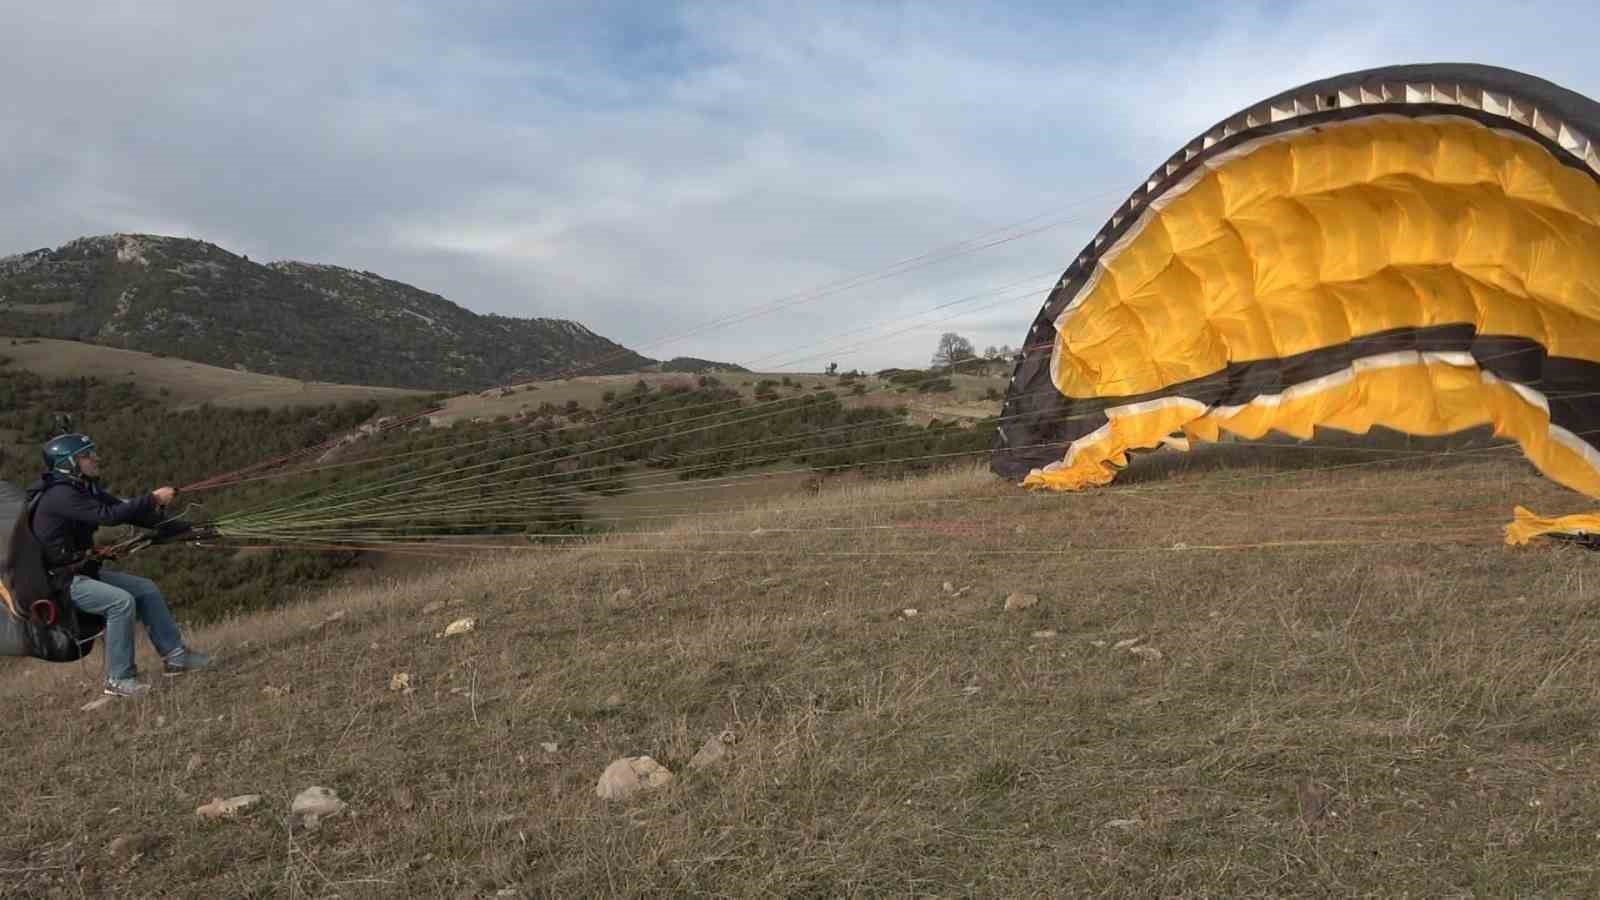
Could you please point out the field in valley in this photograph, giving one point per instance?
(970, 397)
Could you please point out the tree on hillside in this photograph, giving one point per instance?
(953, 349)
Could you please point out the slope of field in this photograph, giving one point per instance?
(1281, 673)
(187, 383)
(971, 396)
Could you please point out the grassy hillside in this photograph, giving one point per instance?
(195, 300)
(556, 471)
(968, 397)
(1351, 688)
(182, 383)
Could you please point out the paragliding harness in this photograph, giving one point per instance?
(36, 590)
(1588, 540)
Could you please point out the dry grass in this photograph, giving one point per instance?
(655, 496)
(1406, 714)
(187, 383)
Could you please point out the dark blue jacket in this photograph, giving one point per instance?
(70, 509)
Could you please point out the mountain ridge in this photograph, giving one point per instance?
(193, 299)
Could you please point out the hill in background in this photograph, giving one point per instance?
(195, 300)
(695, 366)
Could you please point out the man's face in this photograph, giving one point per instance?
(89, 463)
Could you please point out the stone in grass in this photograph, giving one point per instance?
(1021, 601)
(130, 847)
(629, 775)
(714, 751)
(316, 803)
(219, 808)
(459, 626)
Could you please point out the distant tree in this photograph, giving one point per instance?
(833, 368)
(953, 349)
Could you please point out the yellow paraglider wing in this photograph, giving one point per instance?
(1414, 247)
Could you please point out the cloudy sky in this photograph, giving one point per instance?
(742, 181)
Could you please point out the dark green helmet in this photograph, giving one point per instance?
(61, 453)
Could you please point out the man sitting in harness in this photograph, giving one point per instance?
(69, 505)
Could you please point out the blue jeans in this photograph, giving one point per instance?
(121, 598)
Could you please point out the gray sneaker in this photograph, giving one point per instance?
(125, 687)
(184, 659)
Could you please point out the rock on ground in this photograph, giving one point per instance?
(316, 803)
(1021, 601)
(219, 808)
(714, 751)
(629, 775)
(133, 846)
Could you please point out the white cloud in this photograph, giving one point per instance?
(647, 169)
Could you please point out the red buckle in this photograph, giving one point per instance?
(44, 612)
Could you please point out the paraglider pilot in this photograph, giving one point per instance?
(68, 506)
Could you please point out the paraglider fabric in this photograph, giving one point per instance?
(1415, 247)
